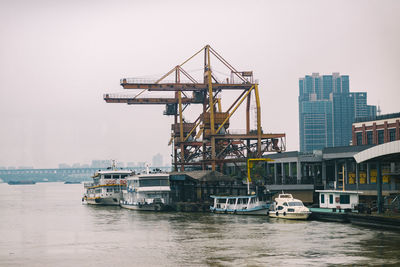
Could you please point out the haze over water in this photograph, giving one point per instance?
(46, 225)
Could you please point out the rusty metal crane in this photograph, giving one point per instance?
(206, 142)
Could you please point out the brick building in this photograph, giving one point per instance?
(376, 130)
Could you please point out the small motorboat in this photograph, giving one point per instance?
(244, 205)
(287, 207)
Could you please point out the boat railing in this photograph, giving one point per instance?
(88, 184)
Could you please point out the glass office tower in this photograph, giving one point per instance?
(327, 110)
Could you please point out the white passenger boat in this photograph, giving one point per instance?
(148, 192)
(244, 205)
(287, 207)
(250, 204)
(106, 187)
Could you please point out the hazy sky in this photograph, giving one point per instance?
(57, 58)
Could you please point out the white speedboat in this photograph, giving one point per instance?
(244, 205)
(106, 187)
(287, 207)
(148, 192)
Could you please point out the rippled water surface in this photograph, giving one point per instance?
(46, 225)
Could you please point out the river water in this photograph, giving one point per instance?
(47, 225)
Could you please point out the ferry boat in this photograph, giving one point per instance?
(147, 192)
(244, 205)
(287, 207)
(106, 187)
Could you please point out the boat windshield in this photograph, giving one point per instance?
(294, 204)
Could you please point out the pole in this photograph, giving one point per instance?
(343, 175)
(211, 100)
(379, 187)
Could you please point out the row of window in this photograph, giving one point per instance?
(115, 176)
(381, 137)
(343, 199)
(100, 190)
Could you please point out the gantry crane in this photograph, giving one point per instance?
(206, 142)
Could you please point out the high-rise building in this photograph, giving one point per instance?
(157, 160)
(327, 110)
(101, 163)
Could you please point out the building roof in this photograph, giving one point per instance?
(205, 176)
(339, 192)
(289, 154)
(345, 149)
(342, 151)
(380, 117)
(386, 151)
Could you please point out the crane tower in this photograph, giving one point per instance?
(207, 142)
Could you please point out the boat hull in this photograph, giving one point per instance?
(289, 216)
(329, 215)
(145, 207)
(260, 212)
(103, 201)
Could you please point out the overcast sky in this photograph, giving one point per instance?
(57, 58)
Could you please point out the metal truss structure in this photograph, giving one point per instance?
(207, 142)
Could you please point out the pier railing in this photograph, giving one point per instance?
(290, 180)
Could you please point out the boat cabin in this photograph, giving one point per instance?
(148, 188)
(337, 199)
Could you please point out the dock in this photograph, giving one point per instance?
(381, 221)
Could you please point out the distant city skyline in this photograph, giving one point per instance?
(157, 162)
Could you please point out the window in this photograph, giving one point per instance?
(380, 137)
(280, 208)
(392, 135)
(109, 189)
(108, 176)
(154, 182)
(359, 138)
(344, 199)
(116, 176)
(369, 138)
(221, 200)
(330, 199)
(322, 198)
(284, 204)
(294, 204)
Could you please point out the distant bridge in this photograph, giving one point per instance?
(78, 174)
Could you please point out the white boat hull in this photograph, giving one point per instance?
(289, 215)
(262, 212)
(146, 207)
